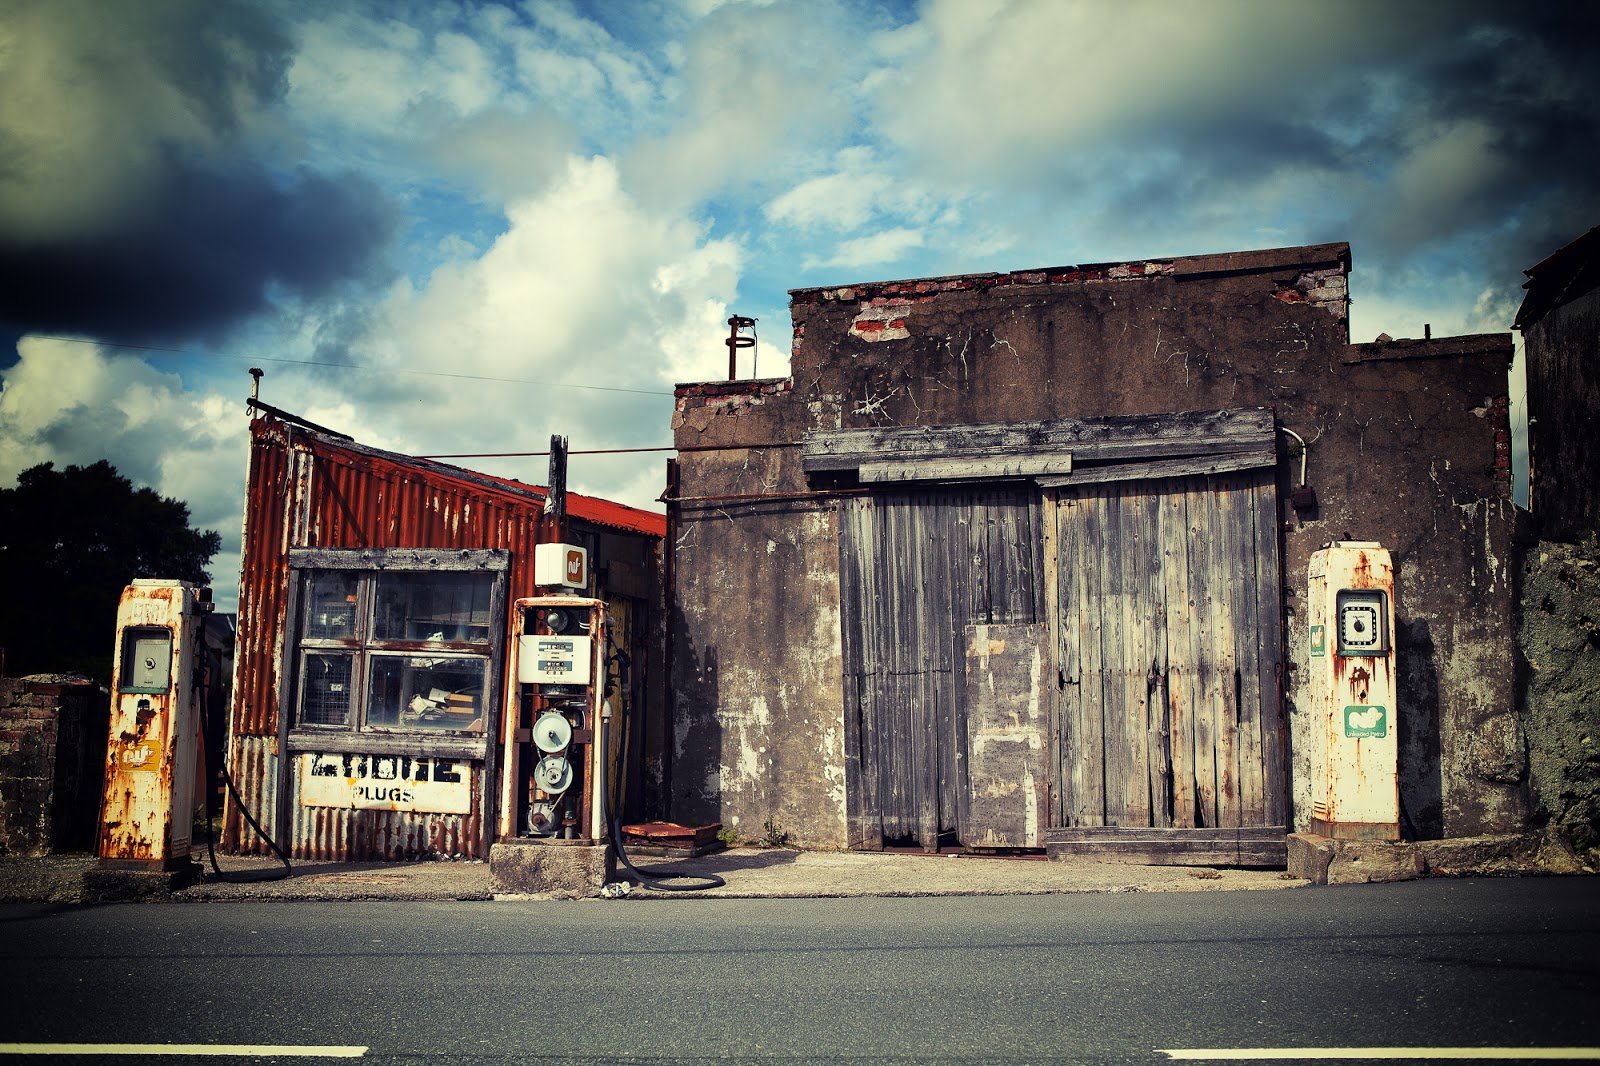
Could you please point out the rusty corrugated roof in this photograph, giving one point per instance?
(591, 509)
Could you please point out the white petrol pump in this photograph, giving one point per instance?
(1355, 792)
(147, 808)
(556, 721)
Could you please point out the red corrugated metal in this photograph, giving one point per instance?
(310, 489)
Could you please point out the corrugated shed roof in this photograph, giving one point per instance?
(591, 509)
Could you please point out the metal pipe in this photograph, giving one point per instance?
(735, 342)
(1305, 450)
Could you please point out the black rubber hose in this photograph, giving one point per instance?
(253, 876)
(660, 880)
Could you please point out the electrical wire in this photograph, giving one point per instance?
(354, 366)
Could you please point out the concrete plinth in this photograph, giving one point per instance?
(555, 867)
(1324, 861)
(109, 882)
(1366, 862)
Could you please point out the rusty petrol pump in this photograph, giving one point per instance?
(147, 810)
(557, 716)
(1355, 793)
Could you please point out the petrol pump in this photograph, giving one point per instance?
(557, 715)
(1355, 793)
(147, 810)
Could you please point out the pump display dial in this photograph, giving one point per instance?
(553, 774)
(552, 732)
(1362, 619)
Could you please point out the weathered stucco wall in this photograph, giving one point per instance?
(1560, 636)
(1563, 359)
(758, 726)
(1406, 442)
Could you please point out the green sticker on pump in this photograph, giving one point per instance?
(1364, 721)
(1319, 641)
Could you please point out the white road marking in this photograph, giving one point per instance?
(1518, 1054)
(315, 1051)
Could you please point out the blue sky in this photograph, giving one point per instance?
(464, 227)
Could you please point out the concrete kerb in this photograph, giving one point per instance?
(788, 874)
(1319, 860)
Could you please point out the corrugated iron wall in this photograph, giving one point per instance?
(305, 491)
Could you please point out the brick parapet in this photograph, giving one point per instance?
(51, 752)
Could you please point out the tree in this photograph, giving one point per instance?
(70, 541)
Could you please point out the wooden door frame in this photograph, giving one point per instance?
(1046, 456)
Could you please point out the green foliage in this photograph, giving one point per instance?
(774, 835)
(729, 836)
(70, 541)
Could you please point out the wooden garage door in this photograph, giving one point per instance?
(919, 570)
(1163, 596)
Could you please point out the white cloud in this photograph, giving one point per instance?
(1003, 87)
(839, 201)
(874, 249)
(1447, 177)
(585, 288)
(72, 404)
(759, 89)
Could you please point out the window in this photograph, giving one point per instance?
(396, 641)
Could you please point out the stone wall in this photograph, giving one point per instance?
(1559, 633)
(52, 764)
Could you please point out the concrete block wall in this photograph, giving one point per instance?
(52, 764)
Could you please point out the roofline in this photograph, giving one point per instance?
(1182, 266)
(579, 506)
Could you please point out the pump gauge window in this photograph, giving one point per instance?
(1363, 622)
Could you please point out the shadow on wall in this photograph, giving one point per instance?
(694, 767)
(1421, 789)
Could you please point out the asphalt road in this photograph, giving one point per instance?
(1068, 978)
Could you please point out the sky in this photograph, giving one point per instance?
(464, 227)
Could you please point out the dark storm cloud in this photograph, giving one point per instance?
(143, 191)
(206, 250)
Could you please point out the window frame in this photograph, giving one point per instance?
(356, 734)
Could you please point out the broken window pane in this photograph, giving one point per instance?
(426, 692)
(433, 606)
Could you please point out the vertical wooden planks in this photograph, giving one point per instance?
(1002, 690)
(1225, 559)
(864, 824)
(1182, 685)
(1090, 757)
(1247, 650)
(1151, 620)
(1203, 637)
(1051, 579)
(1269, 626)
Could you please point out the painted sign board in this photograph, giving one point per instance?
(551, 660)
(1366, 722)
(385, 782)
(561, 565)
